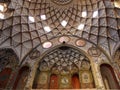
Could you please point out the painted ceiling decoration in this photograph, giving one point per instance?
(26, 24)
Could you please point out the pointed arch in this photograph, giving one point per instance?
(108, 75)
(75, 81)
(4, 77)
(21, 79)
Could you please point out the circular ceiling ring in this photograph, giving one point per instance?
(61, 2)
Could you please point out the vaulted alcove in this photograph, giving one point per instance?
(4, 77)
(63, 42)
(21, 78)
(8, 61)
(75, 81)
(109, 77)
(64, 68)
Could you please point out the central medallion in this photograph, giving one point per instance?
(61, 2)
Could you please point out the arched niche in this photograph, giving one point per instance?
(62, 61)
(36, 80)
(109, 77)
(54, 81)
(40, 80)
(8, 58)
(75, 81)
(21, 78)
(8, 62)
(4, 77)
(86, 76)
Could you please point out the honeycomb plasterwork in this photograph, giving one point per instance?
(65, 61)
(7, 59)
(61, 2)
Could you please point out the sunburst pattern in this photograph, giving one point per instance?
(100, 23)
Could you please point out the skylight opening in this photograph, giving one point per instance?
(84, 14)
(1, 8)
(117, 3)
(95, 14)
(81, 26)
(47, 29)
(43, 17)
(32, 19)
(2, 16)
(64, 23)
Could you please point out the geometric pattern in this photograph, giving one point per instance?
(18, 31)
(8, 58)
(64, 59)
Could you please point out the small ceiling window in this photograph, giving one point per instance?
(43, 17)
(81, 26)
(47, 29)
(95, 14)
(117, 3)
(2, 16)
(31, 19)
(64, 23)
(84, 14)
(1, 8)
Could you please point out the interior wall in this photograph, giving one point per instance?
(57, 72)
(40, 80)
(75, 81)
(87, 80)
(21, 78)
(108, 73)
(54, 80)
(8, 63)
(4, 77)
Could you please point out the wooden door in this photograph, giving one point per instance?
(54, 82)
(75, 82)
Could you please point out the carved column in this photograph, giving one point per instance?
(31, 76)
(117, 71)
(97, 75)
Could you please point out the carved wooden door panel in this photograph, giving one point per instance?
(75, 82)
(54, 82)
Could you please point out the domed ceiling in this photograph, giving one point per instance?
(27, 24)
